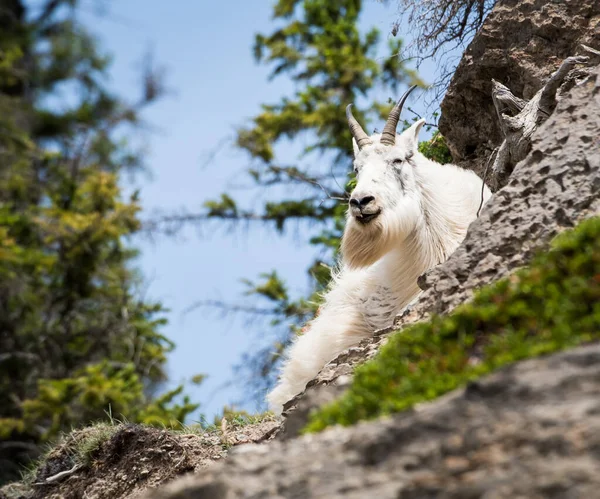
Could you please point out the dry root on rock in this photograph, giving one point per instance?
(520, 118)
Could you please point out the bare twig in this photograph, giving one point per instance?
(297, 175)
(495, 151)
(438, 28)
(59, 476)
(590, 49)
(231, 308)
(210, 155)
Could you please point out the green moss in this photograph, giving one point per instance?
(551, 305)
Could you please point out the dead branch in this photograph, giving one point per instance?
(438, 28)
(519, 119)
(61, 475)
(590, 50)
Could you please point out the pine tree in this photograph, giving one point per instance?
(77, 338)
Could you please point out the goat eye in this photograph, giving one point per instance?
(397, 163)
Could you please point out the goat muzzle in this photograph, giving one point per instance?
(364, 218)
(364, 209)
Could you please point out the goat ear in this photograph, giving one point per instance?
(355, 147)
(410, 136)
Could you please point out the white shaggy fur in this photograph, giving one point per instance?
(422, 211)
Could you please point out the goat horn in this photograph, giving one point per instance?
(362, 139)
(388, 136)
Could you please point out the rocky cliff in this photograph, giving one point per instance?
(520, 44)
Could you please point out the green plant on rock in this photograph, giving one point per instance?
(436, 149)
(551, 305)
(240, 419)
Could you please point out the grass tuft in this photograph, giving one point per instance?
(91, 440)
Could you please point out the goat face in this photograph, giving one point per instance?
(385, 205)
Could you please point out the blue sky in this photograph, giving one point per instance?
(205, 47)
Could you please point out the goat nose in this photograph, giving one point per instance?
(361, 201)
(365, 200)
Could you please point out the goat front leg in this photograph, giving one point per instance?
(340, 325)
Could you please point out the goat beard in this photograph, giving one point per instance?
(363, 245)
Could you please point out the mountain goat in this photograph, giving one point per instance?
(406, 215)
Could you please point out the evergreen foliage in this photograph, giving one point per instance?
(77, 339)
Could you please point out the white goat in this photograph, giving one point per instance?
(406, 215)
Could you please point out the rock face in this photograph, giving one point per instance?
(556, 186)
(521, 43)
(532, 430)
